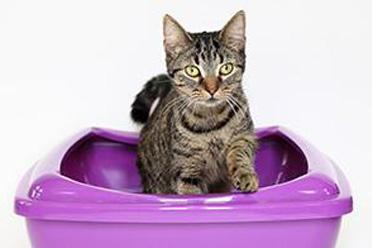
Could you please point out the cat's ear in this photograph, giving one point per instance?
(175, 37)
(233, 33)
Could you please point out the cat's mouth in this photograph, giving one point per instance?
(212, 102)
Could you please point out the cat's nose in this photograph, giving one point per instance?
(211, 84)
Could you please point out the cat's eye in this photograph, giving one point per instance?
(192, 71)
(226, 69)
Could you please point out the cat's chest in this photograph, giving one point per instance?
(213, 143)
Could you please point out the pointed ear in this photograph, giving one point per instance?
(233, 33)
(175, 37)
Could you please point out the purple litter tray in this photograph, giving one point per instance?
(87, 194)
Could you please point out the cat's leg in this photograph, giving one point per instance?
(189, 186)
(240, 159)
(189, 178)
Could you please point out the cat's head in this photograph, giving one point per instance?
(208, 66)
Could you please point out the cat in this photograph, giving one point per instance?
(200, 137)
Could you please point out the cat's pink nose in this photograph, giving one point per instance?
(211, 84)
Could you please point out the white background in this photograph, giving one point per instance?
(66, 65)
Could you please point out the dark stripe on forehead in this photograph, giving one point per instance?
(214, 53)
(207, 46)
(204, 37)
(222, 59)
(216, 44)
(202, 55)
(242, 67)
(198, 46)
(196, 59)
(174, 71)
(206, 40)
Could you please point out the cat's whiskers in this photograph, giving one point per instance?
(173, 103)
(184, 107)
(235, 104)
(231, 106)
(170, 105)
(233, 109)
(193, 108)
(243, 108)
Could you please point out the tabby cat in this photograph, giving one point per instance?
(199, 139)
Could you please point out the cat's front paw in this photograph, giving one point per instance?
(245, 180)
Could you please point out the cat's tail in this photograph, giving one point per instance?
(157, 87)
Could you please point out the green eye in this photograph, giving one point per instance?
(226, 69)
(192, 71)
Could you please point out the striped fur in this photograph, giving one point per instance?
(157, 87)
(199, 139)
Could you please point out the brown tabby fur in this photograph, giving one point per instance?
(199, 139)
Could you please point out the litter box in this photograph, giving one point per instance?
(86, 193)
